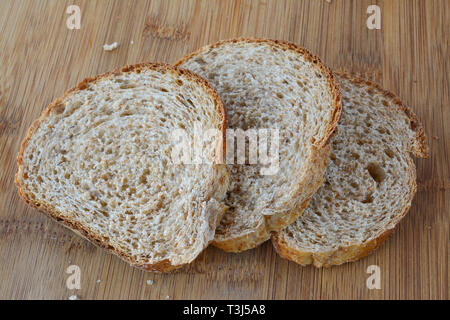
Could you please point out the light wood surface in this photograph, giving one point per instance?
(40, 58)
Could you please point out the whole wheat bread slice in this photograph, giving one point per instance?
(274, 85)
(369, 183)
(98, 160)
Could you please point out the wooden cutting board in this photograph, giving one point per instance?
(40, 58)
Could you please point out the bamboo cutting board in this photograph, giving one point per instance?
(40, 58)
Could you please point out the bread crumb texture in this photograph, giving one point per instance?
(267, 84)
(99, 161)
(369, 182)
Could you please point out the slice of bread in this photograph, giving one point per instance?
(99, 161)
(274, 85)
(369, 183)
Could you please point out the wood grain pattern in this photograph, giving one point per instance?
(40, 58)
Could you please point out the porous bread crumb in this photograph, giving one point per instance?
(73, 297)
(149, 282)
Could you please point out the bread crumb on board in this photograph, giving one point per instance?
(74, 297)
(149, 282)
(110, 47)
(167, 297)
(98, 281)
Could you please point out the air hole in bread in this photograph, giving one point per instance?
(200, 61)
(368, 199)
(104, 213)
(127, 85)
(355, 155)
(191, 104)
(143, 179)
(389, 152)
(376, 172)
(126, 113)
(59, 108)
(131, 191)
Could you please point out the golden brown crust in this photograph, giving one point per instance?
(332, 257)
(161, 266)
(319, 156)
(243, 242)
(258, 236)
(357, 251)
(329, 258)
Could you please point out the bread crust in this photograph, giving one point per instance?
(357, 251)
(313, 175)
(78, 228)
